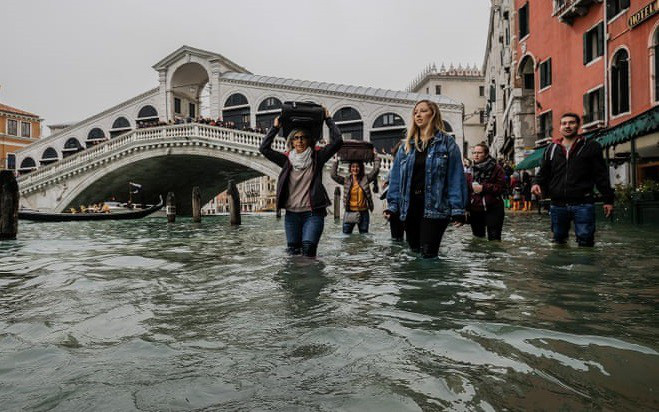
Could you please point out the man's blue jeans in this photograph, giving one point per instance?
(584, 223)
(364, 220)
(303, 230)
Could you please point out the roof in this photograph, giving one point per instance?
(197, 52)
(9, 109)
(336, 88)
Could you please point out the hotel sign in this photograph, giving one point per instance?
(644, 14)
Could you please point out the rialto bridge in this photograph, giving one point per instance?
(95, 159)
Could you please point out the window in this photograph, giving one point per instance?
(655, 48)
(438, 89)
(26, 128)
(545, 74)
(545, 125)
(177, 105)
(12, 127)
(192, 110)
(593, 43)
(482, 117)
(11, 161)
(493, 93)
(614, 7)
(147, 112)
(593, 106)
(620, 83)
(236, 99)
(388, 119)
(481, 91)
(523, 15)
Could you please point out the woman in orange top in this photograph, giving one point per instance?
(357, 197)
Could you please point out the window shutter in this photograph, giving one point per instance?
(548, 72)
(624, 4)
(585, 48)
(600, 103)
(600, 39)
(586, 109)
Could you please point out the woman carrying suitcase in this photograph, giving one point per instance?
(357, 197)
(427, 186)
(300, 187)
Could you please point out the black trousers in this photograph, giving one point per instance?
(423, 234)
(492, 220)
(396, 227)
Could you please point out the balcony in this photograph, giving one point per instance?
(568, 10)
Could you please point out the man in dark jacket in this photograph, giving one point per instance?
(570, 168)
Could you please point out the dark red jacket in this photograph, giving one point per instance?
(491, 194)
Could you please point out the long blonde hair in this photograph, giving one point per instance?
(414, 133)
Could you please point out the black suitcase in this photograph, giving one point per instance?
(356, 150)
(302, 115)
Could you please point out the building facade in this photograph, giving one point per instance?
(18, 129)
(599, 60)
(256, 195)
(464, 85)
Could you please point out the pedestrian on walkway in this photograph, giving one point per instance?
(571, 166)
(485, 184)
(357, 196)
(300, 187)
(427, 185)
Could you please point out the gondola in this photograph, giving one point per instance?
(77, 217)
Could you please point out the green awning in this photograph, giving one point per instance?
(531, 161)
(640, 125)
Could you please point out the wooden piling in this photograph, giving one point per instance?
(196, 204)
(8, 205)
(234, 203)
(337, 203)
(170, 207)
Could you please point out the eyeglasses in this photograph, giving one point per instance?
(298, 138)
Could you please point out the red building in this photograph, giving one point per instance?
(600, 60)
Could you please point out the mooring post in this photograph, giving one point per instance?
(196, 204)
(234, 203)
(8, 205)
(337, 203)
(171, 207)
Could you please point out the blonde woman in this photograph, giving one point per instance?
(427, 185)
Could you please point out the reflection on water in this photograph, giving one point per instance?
(145, 315)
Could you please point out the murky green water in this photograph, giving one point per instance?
(142, 315)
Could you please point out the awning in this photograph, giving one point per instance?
(640, 125)
(531, 161)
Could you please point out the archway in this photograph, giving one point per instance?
(236, 110)
(72, 146)
(388, 129)
(350, 122)
(186, 89)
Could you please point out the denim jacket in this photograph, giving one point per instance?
(446, 186)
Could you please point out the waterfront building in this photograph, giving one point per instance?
(464, 85)
(256, 195)
(18, 129)
(599, 60)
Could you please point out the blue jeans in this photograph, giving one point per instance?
(364, 220)
(584, 223)
(303, 230)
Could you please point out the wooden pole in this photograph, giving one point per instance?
(337, 203)
(171, 207)
(8, 205)
(196, 204)
(234, 203)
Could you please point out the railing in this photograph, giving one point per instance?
(230, 137)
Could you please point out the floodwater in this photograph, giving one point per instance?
(155, 317)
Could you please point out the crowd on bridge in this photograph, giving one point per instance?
(200, 120)
(431, 188)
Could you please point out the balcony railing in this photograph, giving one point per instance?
(568, 10)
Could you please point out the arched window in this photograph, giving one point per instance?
(388, 129)
(71, 146)
(236, 110)
(27, 164)
(527, 73)
(49, 156)
(147, 112)
(119, 126)
(268, 110)
(95, 137)
(349, 121)
(620, 83)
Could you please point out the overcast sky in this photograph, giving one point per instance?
(69, 59)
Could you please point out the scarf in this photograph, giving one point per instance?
(300, 161)
(482, 171)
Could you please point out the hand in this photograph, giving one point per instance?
(477, 188)
(327, 113)
(387, 214)
(277, 124)
(608, 209)
(535, 189)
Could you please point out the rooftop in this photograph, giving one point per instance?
(9, 109)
